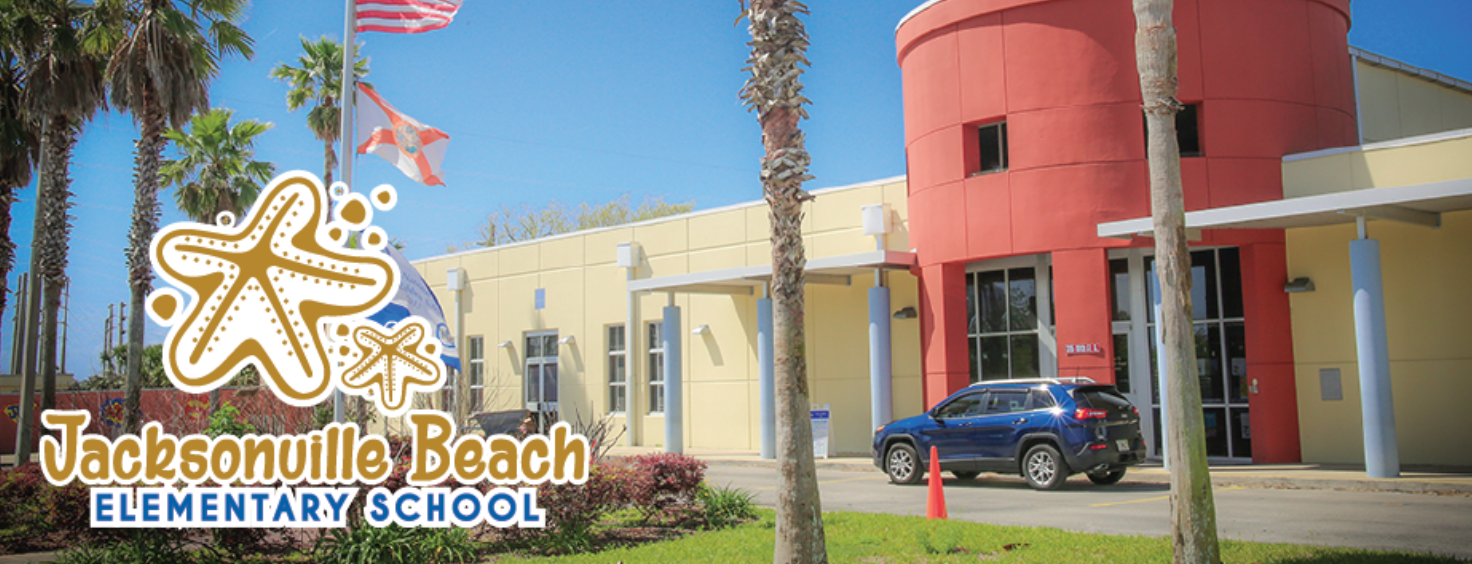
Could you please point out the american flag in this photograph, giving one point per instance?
(405, 16)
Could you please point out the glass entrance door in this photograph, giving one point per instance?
(1221, 352)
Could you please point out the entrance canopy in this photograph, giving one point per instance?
(1420, 204)
(744, 280)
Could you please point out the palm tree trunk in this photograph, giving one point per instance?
(140, 269)
(52, 244)
(779, 45)
(329, 163)
(1193, 510)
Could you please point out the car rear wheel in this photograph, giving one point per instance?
(965, 475)
(1107, 478)
(1044, 468)
(902, 464)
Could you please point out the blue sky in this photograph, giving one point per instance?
(579, 102)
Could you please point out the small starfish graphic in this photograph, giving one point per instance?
(392, 362)
(259, 292)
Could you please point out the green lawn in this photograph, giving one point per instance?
(887, 539)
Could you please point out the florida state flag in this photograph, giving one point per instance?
(415, 148)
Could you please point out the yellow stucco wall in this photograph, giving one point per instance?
(1396, 104)
(586, 292)
(1401, 162)
(1428, 310)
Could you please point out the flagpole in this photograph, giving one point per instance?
(345, 121)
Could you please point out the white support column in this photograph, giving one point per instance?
(1047, 339)
(1377, 406)
(765, 373)
(1163, 433)
(674, 409)
(881, 376)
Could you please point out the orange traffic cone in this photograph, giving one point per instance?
(936, 507)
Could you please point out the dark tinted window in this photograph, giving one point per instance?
(969, 405)
(1099, 398)
(1006, 401)
(1188, 131)
(993, 146)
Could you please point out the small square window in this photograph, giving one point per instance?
(1188, 130)
(993, 147)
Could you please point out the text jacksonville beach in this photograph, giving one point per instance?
(310, 480)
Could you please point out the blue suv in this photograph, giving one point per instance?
(1043, 429)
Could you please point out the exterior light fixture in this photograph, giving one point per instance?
(907, 312)
(568, 340)
(701, 330)
(504, 345)
(1303, 284)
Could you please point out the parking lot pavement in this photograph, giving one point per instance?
(1378, 520)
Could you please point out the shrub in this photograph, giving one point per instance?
(572, 509)
(228, 421)
(66, 509)
(725, 506)
(665, 480)
(137, 546)
(20, 491)
(397, 545)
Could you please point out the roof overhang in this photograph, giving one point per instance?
(744, 280)
(1420, 204)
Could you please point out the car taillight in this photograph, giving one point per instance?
(1084, 413)
(1098, 447)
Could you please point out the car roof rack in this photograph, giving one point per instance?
(1071, 380)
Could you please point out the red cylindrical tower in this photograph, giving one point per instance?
(1265, 78)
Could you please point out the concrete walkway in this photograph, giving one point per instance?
(1440, 481)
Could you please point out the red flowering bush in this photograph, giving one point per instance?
(665, 481)
(20, 489)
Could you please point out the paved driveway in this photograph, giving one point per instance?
(1417, 522)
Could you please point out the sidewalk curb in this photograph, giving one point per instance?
(1159, 476)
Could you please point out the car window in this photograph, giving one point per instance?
(1006, 401)
(1042, 399)
(969, 405)
(1103, 397)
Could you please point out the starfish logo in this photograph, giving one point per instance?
(389, 366)
(265, 291)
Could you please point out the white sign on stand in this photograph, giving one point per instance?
(820, 430)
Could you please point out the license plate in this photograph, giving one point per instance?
(1123, 444)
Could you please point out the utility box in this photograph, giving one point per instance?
(455, 279)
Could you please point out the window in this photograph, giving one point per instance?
(1006, 401)
(1003, 324)
(1042, 399)
(477, 374)
(992, 146)
(656, 367)
(969, 405)
(618, 375)
(541, 371)
(1188, 131)
(1119, 299)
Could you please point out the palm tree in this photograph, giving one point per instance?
(779, 46)
(1193, 509)
(63, 88)
(319, 80)
(216, 172)
(20, 143)
(163, 54)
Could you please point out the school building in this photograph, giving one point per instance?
(1329, 193)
